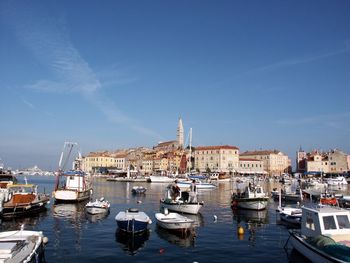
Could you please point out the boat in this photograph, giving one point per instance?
(201, 185)
(132, 221)
(324, 235)
(138, 190)
(22, 246)
(76, 187)
(161, 179)
(73, 185)
(253, 197)
(289, 215)
(181, 204)
(100, 206)
(174, 221)
(19, 200)
(339, 180)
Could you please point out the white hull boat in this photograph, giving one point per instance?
(98, 207)
(252, 198)
(173, 221)
(184, 185)
(161, 179)
(22, 246)
(181, 207)
(340, 180)
(290, 215)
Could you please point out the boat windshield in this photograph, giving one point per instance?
(329, 222)
(343, 221)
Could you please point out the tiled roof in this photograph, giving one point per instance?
(263, 152)
(201, 148)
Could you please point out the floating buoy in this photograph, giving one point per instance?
(240, 230)
(161, 251)
(215, 218)
(139, 202)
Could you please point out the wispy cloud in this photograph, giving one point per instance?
(48, 39)
(30, 105)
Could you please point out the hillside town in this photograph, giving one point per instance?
(174, 157)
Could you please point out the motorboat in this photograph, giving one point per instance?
(290, 215)
(132, 221)
(339, 180)
(201, 185)
(174, 221)
(22, 246)
(100, 206)
(19, 200)
(181, 203)
(138, 190)
(253, 197)
(161, 179)
(324, 235)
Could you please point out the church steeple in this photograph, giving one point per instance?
(180, 133)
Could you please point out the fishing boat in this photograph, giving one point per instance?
(19, 200)
(22, 246)
(138, 190)
(181, 204)
(289, 215)
(100, 206)
(201, 185)
(174, 221)
(73, 185)
(253, 197)
(324, 234)
(132, 221)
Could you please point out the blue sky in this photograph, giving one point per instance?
(116, 74)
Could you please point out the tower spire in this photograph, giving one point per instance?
(180, 133)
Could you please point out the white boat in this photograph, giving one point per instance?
(132, 221)
(181, 204)
(340, 180)
(253, 197)
(100, 206)
(22, 246)
(174, 221)
(324, 234)
(73, 185)
(184, 185)
(290, 215)
(161, 179)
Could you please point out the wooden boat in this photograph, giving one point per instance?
(22, 200)
(100, 206)
(132, 221)
(138, 190)
(174, 221)
(324, 234)
(181, 204)
(22, 246)
(253, 197)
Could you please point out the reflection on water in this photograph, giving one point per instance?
(198, 219)
(28, 222)
(251, 221)
(177, 238)
(97, 217)
(131, 244)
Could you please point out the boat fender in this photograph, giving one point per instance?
(45, 240)
(215, 218)
(240, 230)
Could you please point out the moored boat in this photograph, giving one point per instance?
(184, 185)
(22, 246)
(324, 234)
(100, 206)
(174, 221)
(253, 197)
(132, 221)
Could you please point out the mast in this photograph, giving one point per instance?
(190, 159)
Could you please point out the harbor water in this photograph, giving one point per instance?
(76, 237)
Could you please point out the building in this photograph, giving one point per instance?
(274, 162)
(94, 162)
(180, 134)
(223, 158)
(250, 166)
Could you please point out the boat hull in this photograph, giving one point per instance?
(309, 251)
(250, 203)
(93, 210)
(188, 208)
(174, 221)
(132, 226)
(71, 195)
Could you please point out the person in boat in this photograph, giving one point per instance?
(175, 190)
(193, 192)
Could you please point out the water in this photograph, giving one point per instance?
(76, 237)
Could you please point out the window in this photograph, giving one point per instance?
(309, 221)
(343, 221)
(329, 222)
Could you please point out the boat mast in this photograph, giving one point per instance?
(190, 159)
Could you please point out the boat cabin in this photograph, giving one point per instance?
(252, 191)
(326, 220)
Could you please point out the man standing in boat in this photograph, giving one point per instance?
(193, 192)
(175, 190)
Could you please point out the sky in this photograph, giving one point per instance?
(119, 74)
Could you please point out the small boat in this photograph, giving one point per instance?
(138, 190)
(253, 197)
(324, 234)
(181, 204)
(339, 180)
(22, 246)
(174, 221)
(19, 200)
(184, 185)
(100, 206)
(132, 221)
(290, 215)
(161, 179)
